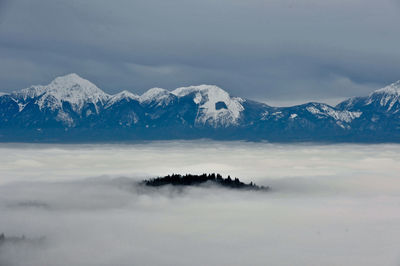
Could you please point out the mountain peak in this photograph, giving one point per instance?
(387, 97)
(73, 82)
(216, 106)
(393, 88)
(156, 94)
(76, 90)
(127, 94)
(69, 77)
(69, 88)
(204, 87)
(123, 95)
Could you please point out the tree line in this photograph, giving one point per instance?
(193, 180)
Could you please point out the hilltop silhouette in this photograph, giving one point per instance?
(195, 180)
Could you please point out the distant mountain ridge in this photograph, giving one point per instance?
(71, 108)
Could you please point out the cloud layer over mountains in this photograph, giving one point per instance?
(274, 51)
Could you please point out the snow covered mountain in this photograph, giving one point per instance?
(72, 108)
(71, 89)
(386, 99)
(215, 106)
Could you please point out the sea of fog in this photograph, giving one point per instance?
(80, 205)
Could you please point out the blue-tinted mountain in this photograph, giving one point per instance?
(72, 109)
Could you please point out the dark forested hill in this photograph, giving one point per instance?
(195, 180)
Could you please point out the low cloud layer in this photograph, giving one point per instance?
(328, 205)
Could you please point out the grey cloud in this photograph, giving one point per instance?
(268, 50)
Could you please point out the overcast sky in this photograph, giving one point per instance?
(275, 51)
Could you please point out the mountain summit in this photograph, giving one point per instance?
(71, 108)
(70, 88)
(386, 99)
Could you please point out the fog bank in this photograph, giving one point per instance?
(328, 205)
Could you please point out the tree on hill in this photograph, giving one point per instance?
(193, 180)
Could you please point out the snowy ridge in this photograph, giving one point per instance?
(159, 95)
(207, 97)
(71, 103)
(325, 110)
(123, 95)
(393, 88)
(387, 96)
(70, 88)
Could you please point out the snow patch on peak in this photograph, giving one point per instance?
(183, 91)
(387, 96)
(69, 80)
(123, 95)
(393, 88)
(160, 95)
(127, 94)
(207, 97)
(323, 110)
(69, 88)
(72, 86)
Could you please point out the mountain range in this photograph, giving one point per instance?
(72, 109)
